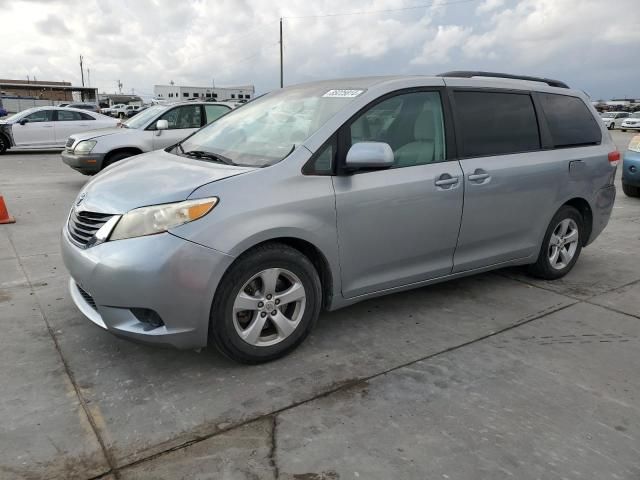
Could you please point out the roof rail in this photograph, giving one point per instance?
(471, 73)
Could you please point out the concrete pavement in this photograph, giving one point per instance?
(492, 376)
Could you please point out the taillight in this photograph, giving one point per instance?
(614, 158)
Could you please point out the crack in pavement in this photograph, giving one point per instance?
(107, 455)
(342, 386)
(273, 459)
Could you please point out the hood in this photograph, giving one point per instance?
(150, 179)
(102, 132)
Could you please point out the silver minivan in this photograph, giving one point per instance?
(321, 195)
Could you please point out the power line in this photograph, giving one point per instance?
(433, 4)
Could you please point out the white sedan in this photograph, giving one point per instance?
(48, 127)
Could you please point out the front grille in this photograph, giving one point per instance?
(87, 298)
(84, 225)
(69, 143)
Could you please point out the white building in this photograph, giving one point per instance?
(180, 92)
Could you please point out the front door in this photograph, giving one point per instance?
(400, 225)
(183, 121)
(38, 131)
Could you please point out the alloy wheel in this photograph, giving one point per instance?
(563, 244)
(269, 307)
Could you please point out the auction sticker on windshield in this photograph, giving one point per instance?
(342, 93)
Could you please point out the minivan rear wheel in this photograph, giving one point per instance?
(561, 246)
(266, 304)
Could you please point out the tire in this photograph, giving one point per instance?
(230, 328)
(630, 190)
(544, 268)
(623, 129)
(610, 126)
(4, 144)
(111, 159)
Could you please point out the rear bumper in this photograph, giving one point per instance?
(173, 277)
(601, 209)
(87, 164)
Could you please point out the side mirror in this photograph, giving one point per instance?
(23, 121)
(369, 155)
(161, 125)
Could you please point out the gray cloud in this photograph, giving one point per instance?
(145, 42)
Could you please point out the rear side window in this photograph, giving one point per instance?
(570, 121)
(496, 123)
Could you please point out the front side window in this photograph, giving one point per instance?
(496, 123)
(412, 124)
(570, 121)
(40, 116)
(215, 111)
(187, 116)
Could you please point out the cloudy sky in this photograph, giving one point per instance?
(593, 45)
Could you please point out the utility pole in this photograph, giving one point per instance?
(281, 59)
(119, 86)
(81, 71)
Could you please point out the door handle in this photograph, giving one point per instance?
(446, 180)
(478, 176)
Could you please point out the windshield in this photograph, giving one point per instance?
(608, 114)
(142, 118)
(635, 115)
(266, 130)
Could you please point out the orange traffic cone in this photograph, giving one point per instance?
(4, 214)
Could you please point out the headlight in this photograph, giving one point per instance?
(85, 146)
(160, 218)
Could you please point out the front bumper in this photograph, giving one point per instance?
(173, 277)
(635, 126)
(87, 164)
(631, 168)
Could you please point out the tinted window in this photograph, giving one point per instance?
(570, 121)
(68, 116)
(492, 123)
(84, 116)
(214, 112)
(412, 124)
(188, 116)
(40, 116)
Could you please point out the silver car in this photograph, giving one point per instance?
(321, 195)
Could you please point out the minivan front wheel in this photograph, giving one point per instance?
(561, 246)
(266, 304)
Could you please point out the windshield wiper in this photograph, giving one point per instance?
(200, 154)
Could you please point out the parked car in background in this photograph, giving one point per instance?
(322, 195)
(85, 106)
(631, 123)
(613, 119)
(631, 168)
(131, 113)
(48, 127)
(112, 109)
(156, 127)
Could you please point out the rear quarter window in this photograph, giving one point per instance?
(570, 122)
